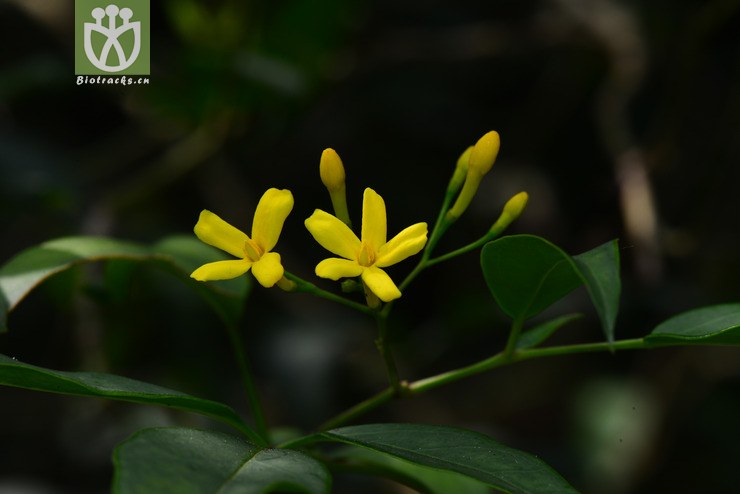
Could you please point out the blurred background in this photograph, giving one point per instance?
(620, 118)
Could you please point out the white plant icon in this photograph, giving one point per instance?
(112, 33)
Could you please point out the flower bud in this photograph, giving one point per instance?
(484, 153)
(461, 171)
(516, 205)
(512, 210)
(331, 170)
(332, 175)
(480, 161)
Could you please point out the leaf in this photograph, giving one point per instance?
(21, 274)
(526, 274)
(423, 479)
(713, 325)
(98, 385)
(179, 460)
(537, 335)
(457, 450)
(599, 268)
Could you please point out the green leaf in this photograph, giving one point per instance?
(599, 269)
(457, 450)
(180, 255)
(423, 479)
(537, 335)
(526, 274)
(714, 325)
(179, 460)
(98, 385)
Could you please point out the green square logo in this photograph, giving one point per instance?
(112, 38)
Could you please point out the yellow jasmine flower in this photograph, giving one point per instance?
(367, 256)
(254, 253)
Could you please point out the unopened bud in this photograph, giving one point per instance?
(332, 174)
(331, 170)
(481, 159)
(512, 210)
(461, 171)
(484, 153)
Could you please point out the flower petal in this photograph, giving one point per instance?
(269, 217)
(407, 243)
(333, 235)
(373, 220)
(216, 232)
(221, 270)
(334, 269)
(268, 270)
(380, 284)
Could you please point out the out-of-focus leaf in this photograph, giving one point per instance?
(180, 461)
(713, 325)
(457, 450)
(113, 387)
(21, 274)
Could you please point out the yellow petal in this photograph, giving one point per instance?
(221, 270)
(373, 219)
(407, 243)
(216, 232)
(334, 269)
(333, 235)
(268, 270)
(380, 284)
(274, 206)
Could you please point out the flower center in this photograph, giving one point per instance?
(252, 250)
(367, 256)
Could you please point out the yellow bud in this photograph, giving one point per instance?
(331, 170)
(461, 171)
(480, 160)
(484, 153)
(512, 210)
(516, 205)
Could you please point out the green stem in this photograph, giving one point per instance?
(384, 348)
(498, 360)
(462, 250)
(516, 329)
(501, 359)
(358, 410)
(308, 287)
(250, 388)
(440, 226)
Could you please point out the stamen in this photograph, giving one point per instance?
(367, 256)
(252, 250)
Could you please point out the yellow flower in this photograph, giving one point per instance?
(367, 256)
(255, 252)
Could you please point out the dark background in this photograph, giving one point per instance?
(621, 120)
